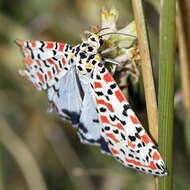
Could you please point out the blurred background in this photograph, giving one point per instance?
(37, 149)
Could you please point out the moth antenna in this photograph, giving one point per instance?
(102, 30)
(118, 33)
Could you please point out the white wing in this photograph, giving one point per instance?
(125, 136)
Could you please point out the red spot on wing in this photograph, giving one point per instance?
(63, 61)
(152, 166)
(156, 156)
(114, 151)
(97, 85)
(110, 135)
(146, 139)
(49, 44)
(130, 144)
(136, 163)
(107, 77)
(51, 61)
(40, 76)
(57, 68)
(104, 119)
(33, 44)
(49, 74)
(28, 60)
(61, 46)
(36, 85)
(119, 126)
(108, 105)
(38, 63)
(119, 95)
(134, 119)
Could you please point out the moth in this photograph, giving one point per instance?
(84, 92)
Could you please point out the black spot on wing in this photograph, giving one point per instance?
(98, 77)
(102, 109)
(112, 86)
(132, 138)
(95, 120)
(137, 135)
(107, 97)
(54, 58)
(131, 155)
(116, 131)
(107, 128)
(126, 107)
(79, 68)
(110, 92)
(139, 129)
(45, 64)
(94, 62)
(123, 136)
(41, 70)
(122, 151)
(158, 166)
(100, 64)
(90, 49)
(139, 145)
(42, 46)
(113, 118)
(88, 70)
(99, 93)
(103, 70)
(38, 56)
(56, 45)
(82, 55)
(54, 52)
(53, 70)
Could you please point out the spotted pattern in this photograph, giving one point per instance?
(46, 62)
(111, 123)
(126, 138)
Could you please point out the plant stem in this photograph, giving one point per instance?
(185, 72)
(2, 184)
(166, 87)
(146, 66)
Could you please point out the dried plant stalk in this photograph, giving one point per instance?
(147, 73)
(146, 68)
(185, 72)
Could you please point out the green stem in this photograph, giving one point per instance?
(166, 87)
(2, 185)
(184, 59)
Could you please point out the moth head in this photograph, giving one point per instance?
(94, 39)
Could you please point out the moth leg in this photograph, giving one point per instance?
(107, 60)
(108, 50)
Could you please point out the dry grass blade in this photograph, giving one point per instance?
(146, 68)
(185, 71)
(148, 80)
(23, 157)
